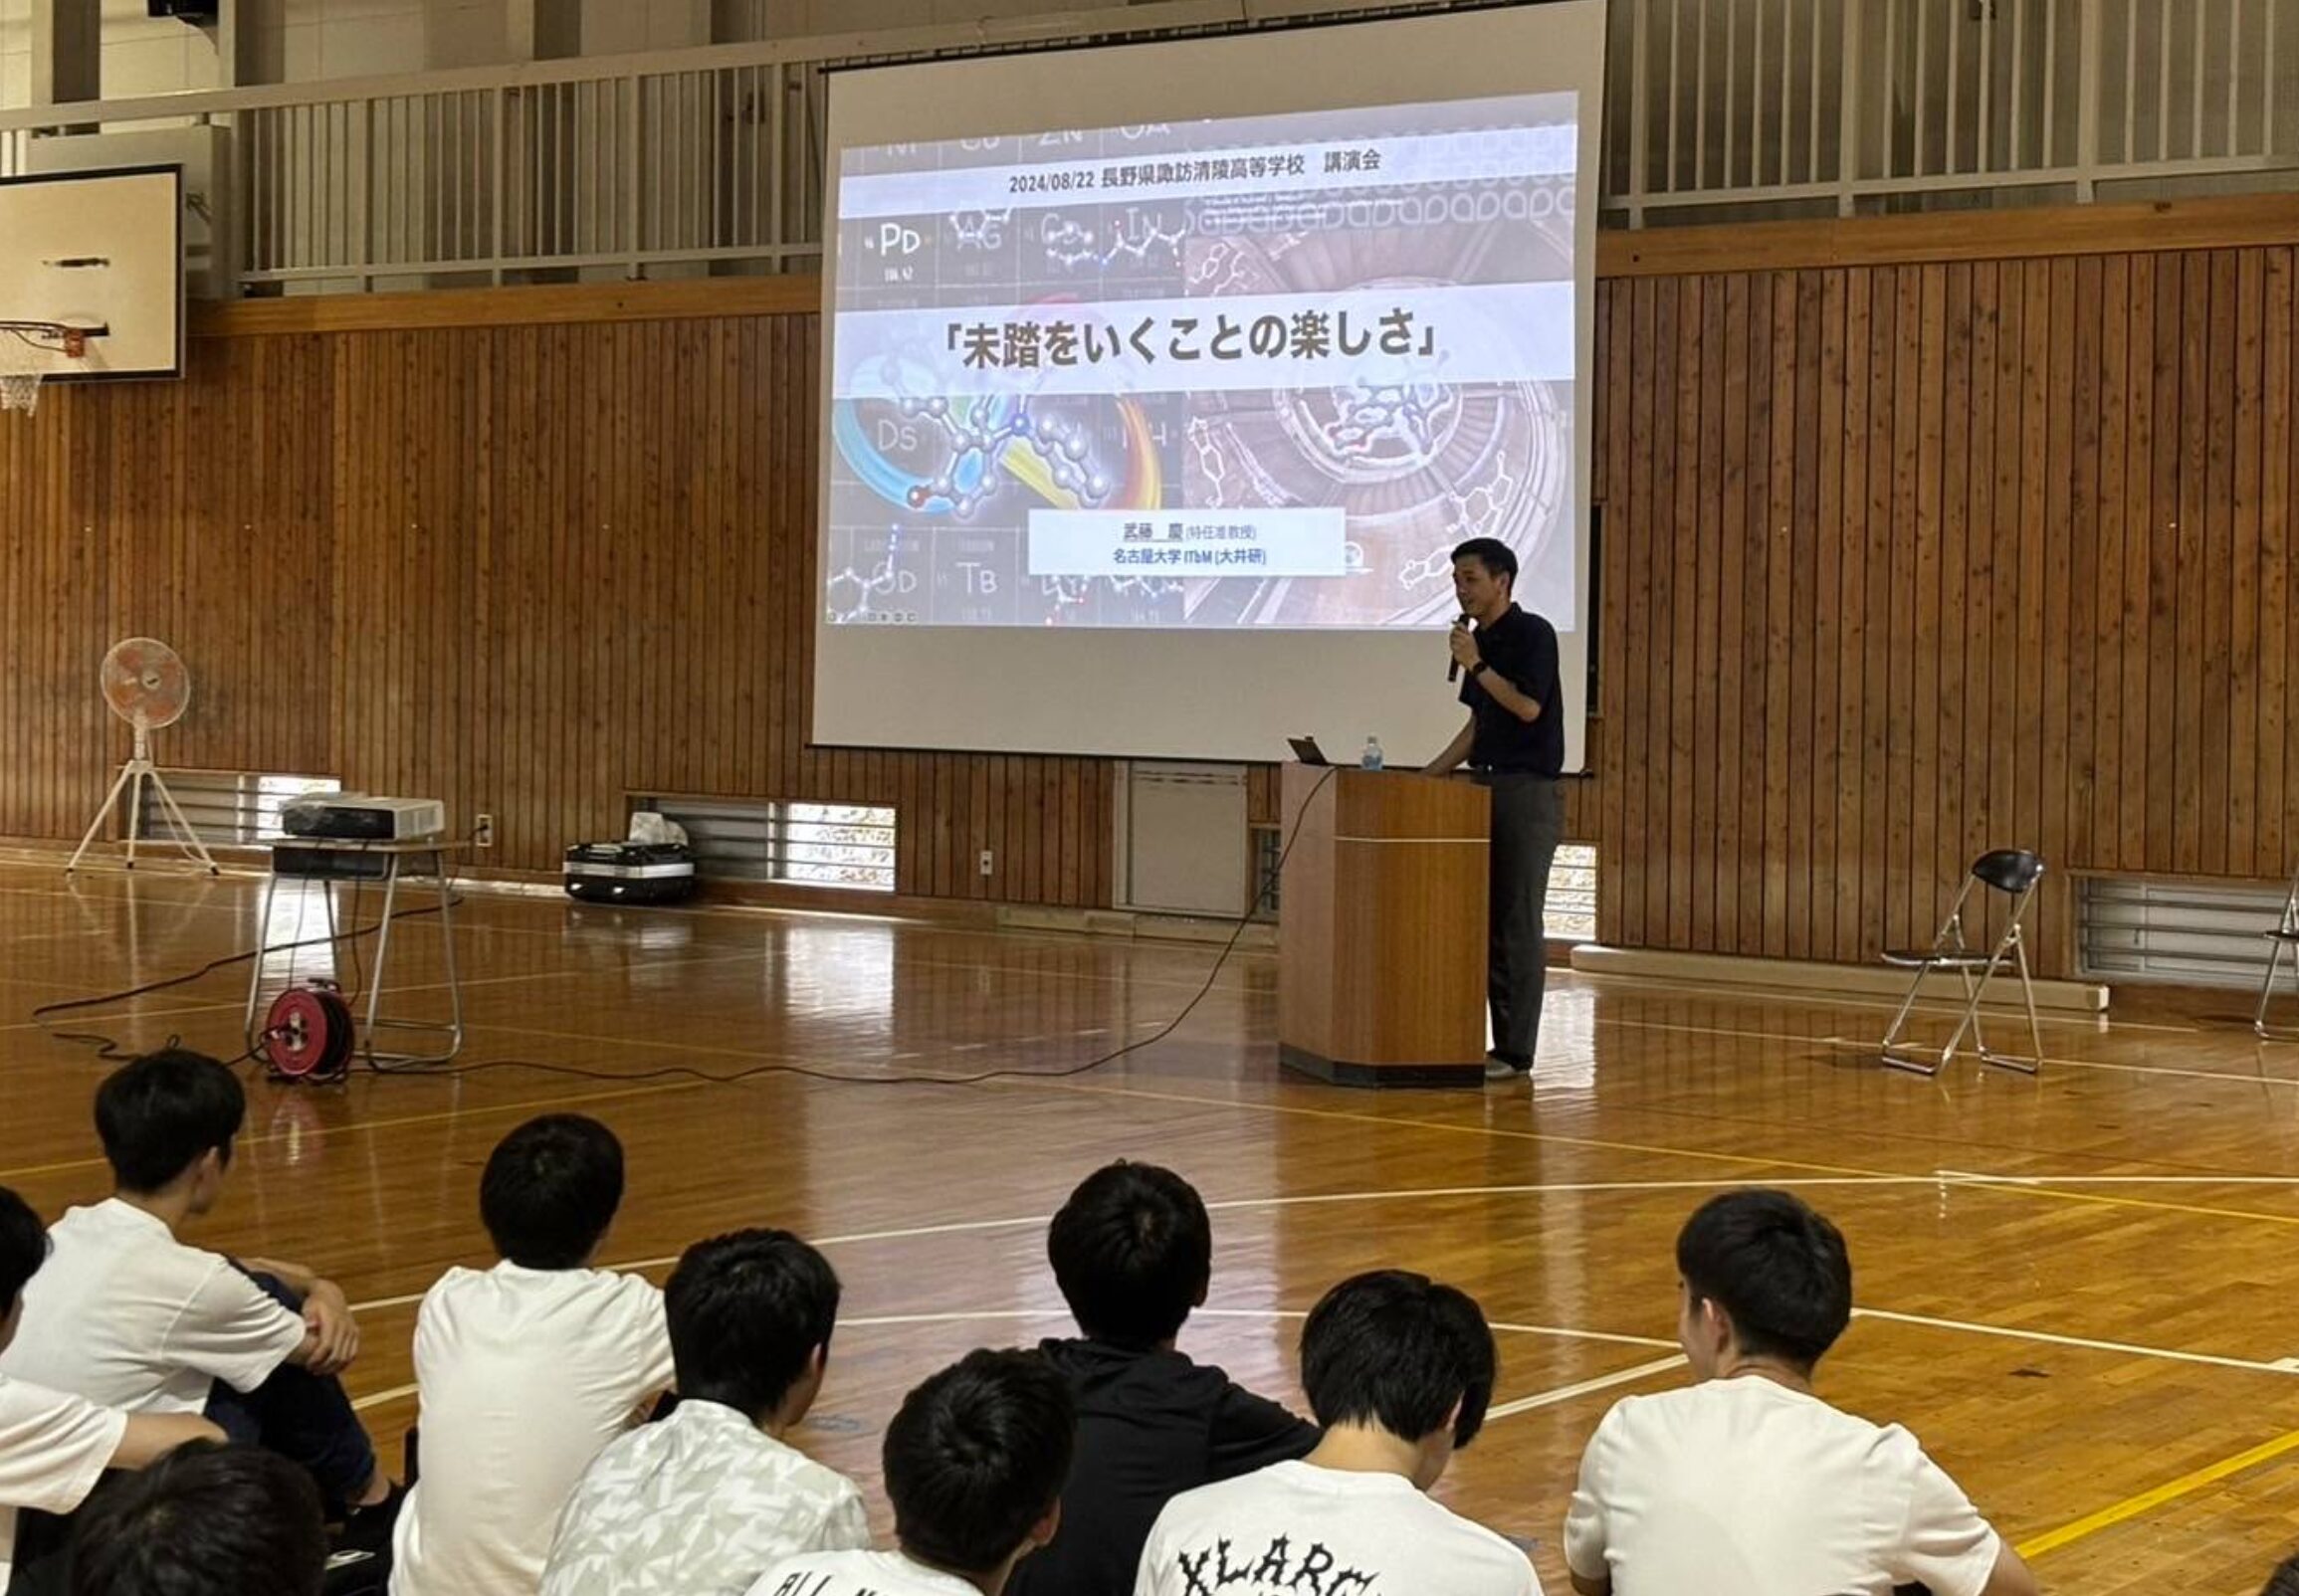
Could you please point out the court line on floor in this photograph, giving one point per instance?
(362, 1127)
(2169, 1491)
(2066, 1534)
(375, 1399)
(1813, 999)
(1978, 1177)
(1040, 1221)
(109, 1016)
(1503, 1410)
(1539, 1137)
(2281, 1366)
(1845, 1044)
(1582, 1388)
(2252, 1215)
(2013, 1332)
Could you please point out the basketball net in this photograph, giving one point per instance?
(20, 375)
(24, 363)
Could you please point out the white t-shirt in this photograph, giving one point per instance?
(52, 1448)
(698, 1505)
(127, 1316)
(1294, 1526)
(859, 1574)
(1744, 1487)
(521, 1376)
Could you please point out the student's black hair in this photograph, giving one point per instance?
(1399, 1350)
(157, 1115)
(23, 1247)
(746, 1310)
(1132, 1251)
(1776, 1268)
(976, 1457)
(550, 1190)
(2284, 1581)
(204, 1520)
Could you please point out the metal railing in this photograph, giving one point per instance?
(712, 159)
(1844, 106)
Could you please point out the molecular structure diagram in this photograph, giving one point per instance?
(1070, 243)
(880, 582)
(979, 230)
(1075, 591)
(969, 475)
(1397, 424)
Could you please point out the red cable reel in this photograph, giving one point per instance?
(309, 1034)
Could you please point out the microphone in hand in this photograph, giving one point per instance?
(1453, 671)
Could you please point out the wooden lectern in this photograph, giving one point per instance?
(1381, 945)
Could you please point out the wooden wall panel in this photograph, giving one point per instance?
(1902, 558)
(526, 568)
(2051, 575)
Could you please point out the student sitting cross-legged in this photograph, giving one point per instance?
(974, 1462)
(1747, 1484)
(55, 1447)
(127, 1315)
(523, 1371)
(1132, 1251)
(698, 1503)
(1399, 1370)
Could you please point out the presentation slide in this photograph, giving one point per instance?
(1250, 372)
(1196, 360)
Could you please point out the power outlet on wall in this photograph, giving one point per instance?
(990, 862)
(482, 832)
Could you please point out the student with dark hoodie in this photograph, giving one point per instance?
(1132, 1251)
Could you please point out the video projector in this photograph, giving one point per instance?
(360, 817)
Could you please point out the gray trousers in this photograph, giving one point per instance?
(1528, 824)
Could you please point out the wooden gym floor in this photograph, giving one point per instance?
(2081, 1291)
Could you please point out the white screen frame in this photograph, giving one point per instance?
(1209, 693)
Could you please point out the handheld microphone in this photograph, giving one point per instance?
(1453, 671)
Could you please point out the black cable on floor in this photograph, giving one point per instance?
(109, 1049)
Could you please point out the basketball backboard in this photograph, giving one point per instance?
(95, 250)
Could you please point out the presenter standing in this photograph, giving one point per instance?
(1514, 744)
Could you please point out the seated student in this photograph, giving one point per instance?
(127, 1315)
(1749, 1484)
(55, 1447)
(1399, 1369)
(1132, 1251)
(975, 1463)
(205, 1520)
(702, 1500)
(524, 1370)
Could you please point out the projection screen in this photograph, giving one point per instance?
(1160, 381)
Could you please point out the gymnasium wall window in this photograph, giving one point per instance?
(2187, 933)
(1572, 894)
(849, 845)
(228, 808)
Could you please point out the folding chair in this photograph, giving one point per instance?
(2284, 936)
(2015, 873)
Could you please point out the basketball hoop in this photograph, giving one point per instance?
(28, 356)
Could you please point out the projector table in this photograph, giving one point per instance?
(328, 860)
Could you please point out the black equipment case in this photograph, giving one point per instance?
(630, 873)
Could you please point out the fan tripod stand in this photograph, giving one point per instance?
(132, 775)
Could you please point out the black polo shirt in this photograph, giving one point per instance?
(1522, 647)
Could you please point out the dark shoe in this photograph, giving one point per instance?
(368, 1529)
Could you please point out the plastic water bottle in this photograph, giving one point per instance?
(1372, 754)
